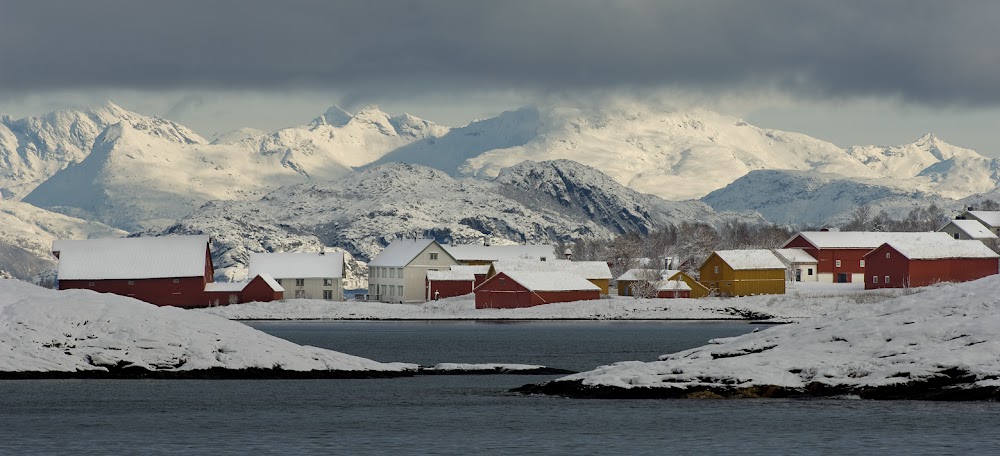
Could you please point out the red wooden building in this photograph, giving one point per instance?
(165, 271)
(840, 255)
(513, 289)
(901, 265)
(457, 281)
(676, 288)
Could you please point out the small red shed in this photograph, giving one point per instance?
(449, 283)
(513, 289)
(673, 289)
(901, 265)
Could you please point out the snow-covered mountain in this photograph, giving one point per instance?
(364, 211)
(815, 199)
(145, 172)
(32, 149)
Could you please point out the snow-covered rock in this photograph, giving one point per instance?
(941, 343)
(46, 331)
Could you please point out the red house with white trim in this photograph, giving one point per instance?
(165, 271)
(901, 264)
(840, 255)
(514, 289)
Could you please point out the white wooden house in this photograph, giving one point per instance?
(303, 275)
(399, 272)
(968, 229)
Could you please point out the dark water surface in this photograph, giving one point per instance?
(468, 414)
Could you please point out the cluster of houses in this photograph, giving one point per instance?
(178, 270)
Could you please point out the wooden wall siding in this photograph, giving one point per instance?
(448, 288)
(259, 290)
(730, 282)
(669, 294)
(604, 284)
(507, 294)
(903, 272)
(826, 259)
(698, 290)
(625, 287)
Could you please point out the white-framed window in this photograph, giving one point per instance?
(300, 282)
(90, 284)
(400, 273)
(392, 290)
(809, 271)
(886, 279)
(862, 263)
(716, 269)
(131, 282)
(399, 290)
(392, 273)
(837, 263)
(300, 293)
(887, 254)
(328, 294)
(327, 282)
(874, 279)
(434, 255)
(177, 280)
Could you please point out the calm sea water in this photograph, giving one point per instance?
(468, 414)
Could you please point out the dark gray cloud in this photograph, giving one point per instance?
(921, 50)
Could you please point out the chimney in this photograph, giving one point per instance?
(486, 241)
(322, 250)
(568, 254)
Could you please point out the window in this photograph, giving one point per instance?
(131, 282)
(399, 290)
(300, 293)
(809, 271)
(300, 282)
(392, 273)
(328, 294)
(862, 263)
(400, 273)
(327, 282)
(434, 255)
(956, 235)
(716, 269)
(887, 254)
(90, 284)
(886, 279)
(392, 290)
(177, 280)
(838, 263)
(874, 279)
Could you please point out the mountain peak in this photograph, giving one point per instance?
(335, 116)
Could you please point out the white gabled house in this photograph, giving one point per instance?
(990, 219)
(399, 272)
(303, 275)
(968, 229)
(802, 267)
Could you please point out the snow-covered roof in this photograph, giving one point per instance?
(451, 275)
(551, 281)
(298, 265)
(991, 218)
(269, 280)
(750, 259)
(973, 229)
(794, 256)
(952, 248)
(132, 258)
(500, 252)
(648, 274)
(673, 285)
(593, 270)
(400, 252)
(864, 239)
(220, 287)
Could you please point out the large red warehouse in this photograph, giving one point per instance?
(840, 255)
(166, 271)
(900, 264)
(512, 289)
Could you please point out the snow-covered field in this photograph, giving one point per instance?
(804, 300)
(940, 343)
(44, 330)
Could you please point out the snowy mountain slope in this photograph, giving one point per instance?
(148, 172)
(364, 211)
(671, 154)
(27, 232)
(934, 165)
(449, 151)
(807, 198)
(32, 149)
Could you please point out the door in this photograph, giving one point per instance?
(841, 278)
(798, 275)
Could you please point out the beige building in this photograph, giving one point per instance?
(399, 272)
(968, 229)
(303, 275)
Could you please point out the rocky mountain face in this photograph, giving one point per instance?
(366, 210)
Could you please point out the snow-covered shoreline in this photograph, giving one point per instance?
(803, 301)
(82, 334)
(938, 344)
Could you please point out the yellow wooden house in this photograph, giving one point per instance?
(698, 290)
(743, 273)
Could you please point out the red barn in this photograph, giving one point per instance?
(165, 271)
(449, 283)
(840, 255)
(513, 289)
(900, 265)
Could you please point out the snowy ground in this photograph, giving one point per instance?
(940, 343)
(803, 300)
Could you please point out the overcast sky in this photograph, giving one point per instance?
(846, 71)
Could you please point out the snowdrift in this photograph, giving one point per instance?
(943, 343)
